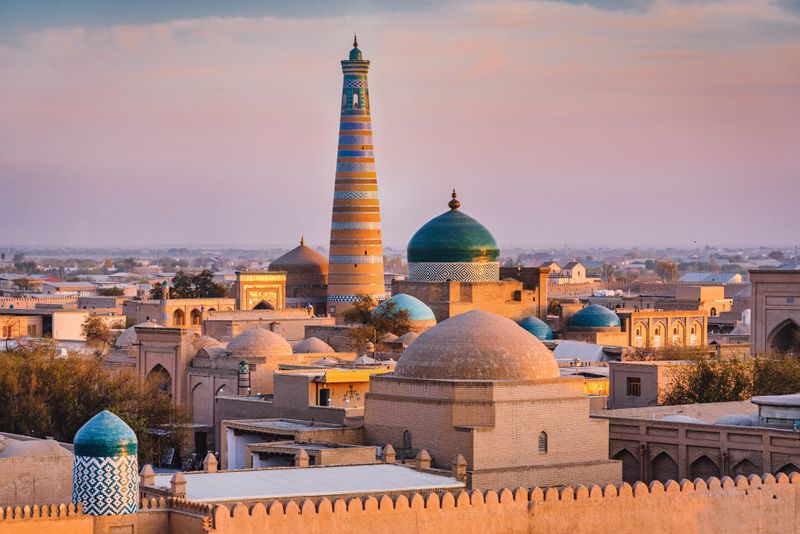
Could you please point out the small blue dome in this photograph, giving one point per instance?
(537, 327)
(355, 55)
(417, 310)
(595, 316)
(105, 435)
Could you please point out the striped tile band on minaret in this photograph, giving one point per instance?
(356, 252)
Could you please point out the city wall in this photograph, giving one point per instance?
(744, 505)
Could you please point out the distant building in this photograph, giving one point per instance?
(775, 305)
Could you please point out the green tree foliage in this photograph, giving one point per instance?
(97, 332)
(710, 381)
(667, 270)
(186, 286)
(733, 380)
(44, 395)
(371, 325)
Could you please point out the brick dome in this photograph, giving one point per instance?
(258, 343)
(477, 345)
(301, 260)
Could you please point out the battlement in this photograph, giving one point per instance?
(765, 504)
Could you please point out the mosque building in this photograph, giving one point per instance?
(356, 251)
(306, 277)
(453, 267)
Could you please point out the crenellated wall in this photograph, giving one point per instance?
(744, 505)
(718, 506)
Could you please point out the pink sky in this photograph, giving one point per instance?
(557, 123)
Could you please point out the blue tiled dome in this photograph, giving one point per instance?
(537, 327)
(595, 316)
(452, 237)
(417, 310)
(103, 435)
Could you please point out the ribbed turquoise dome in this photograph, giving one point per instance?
(105, 435)
(537, 327)
(451, 237)
(595, 316)
(417, 310)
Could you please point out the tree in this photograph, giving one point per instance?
(371, 324)
(23, 284)
(710, 381)
(97, 332)
(44, 395)
(182, 286)
(666, 269)
(776, 375)
(157, 291)
(205, 287)
(776, 255)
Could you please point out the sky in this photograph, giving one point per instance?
(563, 122)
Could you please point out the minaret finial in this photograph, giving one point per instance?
(302, 240)
(355, 40)
(454, 204)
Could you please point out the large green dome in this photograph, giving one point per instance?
(451, 237)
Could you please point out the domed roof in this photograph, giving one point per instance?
(477, 345)
(204, 342)
(417, 310)
(594, 316)
(301, 260)
(407, 338)
(258, 342)
(128, 337)
(31, 448)
(537, 327)
(452, 237)
(355, 53)
(312, 345)
(105, 434)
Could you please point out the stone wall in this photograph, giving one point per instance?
(717, 506)
(42, 479)
(726, 506)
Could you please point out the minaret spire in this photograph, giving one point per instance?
(356, 248)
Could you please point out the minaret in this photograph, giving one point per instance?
(356, 252)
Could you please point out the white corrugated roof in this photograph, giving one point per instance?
(308, 482)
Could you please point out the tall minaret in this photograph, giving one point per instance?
(356, 253)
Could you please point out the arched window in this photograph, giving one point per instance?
(713, 312)
(197, 317)
(543, 443)
(178, 318)
(407, 444)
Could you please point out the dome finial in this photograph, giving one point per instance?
(454, 204)
(302, 240)
(355, 40)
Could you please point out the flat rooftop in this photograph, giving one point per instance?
(281, 424)
(308, 482)
(792, 400)
(708, 412)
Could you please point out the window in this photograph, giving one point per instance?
(634, 386)
(7, 330)
(713, 312)
(543, 443)
(355, 100)
(32, 330)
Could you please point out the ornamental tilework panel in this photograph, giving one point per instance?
(349, 299)
(106, 485)
(456, 272)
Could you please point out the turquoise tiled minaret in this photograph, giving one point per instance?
(356, 253)
(105, 478)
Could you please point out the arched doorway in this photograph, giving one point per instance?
(703, 467)
(197, 317)
(786, 337)
(178, 318)
(745, 468)
(630, 466)
(201, 405)
(663, 468)
(159, 376)
(264, 305)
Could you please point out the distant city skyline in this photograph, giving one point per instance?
(606, 123)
